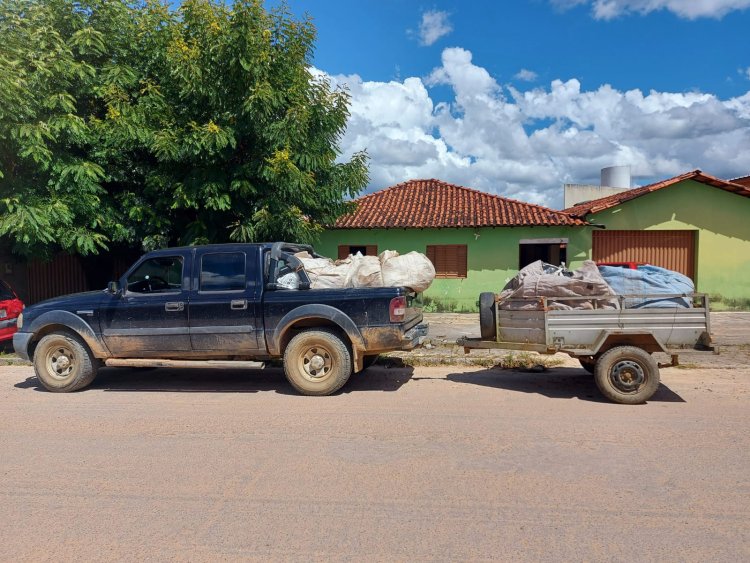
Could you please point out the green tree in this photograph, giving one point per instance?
(134, 123)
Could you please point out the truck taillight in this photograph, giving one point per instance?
(397, 310)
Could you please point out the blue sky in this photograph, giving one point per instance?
(518, 97)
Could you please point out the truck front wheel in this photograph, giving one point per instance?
(63, 363)
(627, 375)
(317, 362)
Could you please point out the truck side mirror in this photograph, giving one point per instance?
(113, 287)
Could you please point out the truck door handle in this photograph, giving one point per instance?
(238, 304)
(174, 306)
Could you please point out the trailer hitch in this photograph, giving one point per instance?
(674, 363)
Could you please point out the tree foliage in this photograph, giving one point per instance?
(131, 122)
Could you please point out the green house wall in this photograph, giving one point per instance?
(492, 256)
(722, 222)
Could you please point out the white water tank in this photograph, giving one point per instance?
(616, 177)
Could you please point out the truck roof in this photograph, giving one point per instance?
(292, 246)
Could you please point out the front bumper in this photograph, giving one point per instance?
(21, 342)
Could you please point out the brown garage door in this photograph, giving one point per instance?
(669, 249)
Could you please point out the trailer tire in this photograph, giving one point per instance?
(627, 375)
(487, 321)
(317, 362)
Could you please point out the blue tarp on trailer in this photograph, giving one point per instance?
(649, 280)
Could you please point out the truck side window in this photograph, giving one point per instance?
(224, 271)
(157, 275)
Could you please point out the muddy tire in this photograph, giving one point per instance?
(317, 362)
(627, 375)
(487, 323)
(63, 363)
(588, 363)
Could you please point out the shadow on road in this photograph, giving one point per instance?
(196, 380)
(557, 383)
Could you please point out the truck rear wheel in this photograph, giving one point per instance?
(627, 375)
(487, 322)
(63, 363)
(317, 362)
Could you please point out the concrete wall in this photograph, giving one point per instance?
(721, 218)
(492, 256)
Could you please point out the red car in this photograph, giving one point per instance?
(10, 307)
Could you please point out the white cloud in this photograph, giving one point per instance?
(433, 26)
(526, 143)
(526, 75)
(747, 73)
(690, 9)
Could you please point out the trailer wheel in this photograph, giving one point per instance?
(487, 321)
(627, 375)
(317, 362)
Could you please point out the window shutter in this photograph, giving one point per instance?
(343, 251)
(431, 256)
(462, 260)
(450, 260)
(372, 250)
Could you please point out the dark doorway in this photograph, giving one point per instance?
(552, 253)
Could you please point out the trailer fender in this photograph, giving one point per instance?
(643, 340)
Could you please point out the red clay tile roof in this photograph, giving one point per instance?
(596, 205)
(743, 181)
(435, 204)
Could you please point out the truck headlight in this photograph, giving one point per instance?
(19, 322)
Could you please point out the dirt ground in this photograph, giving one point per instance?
(406, 464)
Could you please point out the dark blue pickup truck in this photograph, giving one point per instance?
(218, 305)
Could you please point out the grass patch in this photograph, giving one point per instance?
(720, 303)
(511, 360)
(432, 305)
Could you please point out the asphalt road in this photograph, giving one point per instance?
(404, 465)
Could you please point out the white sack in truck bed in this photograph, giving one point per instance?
(389, 269)
(544, 280)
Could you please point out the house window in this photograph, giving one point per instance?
(364, 249)
(449, 260)
(552, 251)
